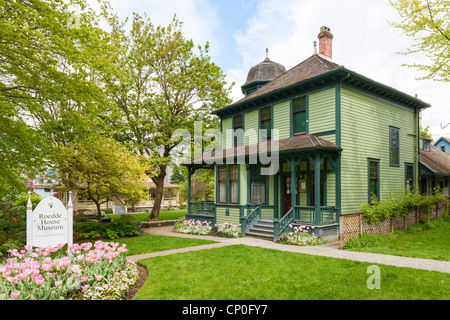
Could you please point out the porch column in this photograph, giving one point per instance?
(293, 184)
(189, 189)
(317, 188)
(293, 163)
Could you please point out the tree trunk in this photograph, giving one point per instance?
(159, 182)
(99, 213)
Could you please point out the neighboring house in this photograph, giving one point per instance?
(434, 168)
(342, 138)
(443, 144)
(171, 199)
(44, 186)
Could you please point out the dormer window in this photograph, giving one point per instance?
(426, 145)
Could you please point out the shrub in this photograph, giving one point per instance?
(124, 229)
(88, 227)
(22, 200)
(399, 205)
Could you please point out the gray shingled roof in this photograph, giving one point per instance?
(299, 143)
(435, 160)
(265, 71)
(309, 68)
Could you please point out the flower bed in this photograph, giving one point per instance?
(227, 230)
(87, 271)
(192, 226)
(301, 236)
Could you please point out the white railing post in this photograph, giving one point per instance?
(70, 220)
(29, 220)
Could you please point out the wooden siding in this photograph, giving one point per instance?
(281, 119)
(233, 217)
(322, 111)
(227, 123)
(365, 125)
(251, 122)
(266, 213)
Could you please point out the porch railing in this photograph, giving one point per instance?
(306, 214)
(201, 207)
(280, 225)
(303, 214)
(253, 214)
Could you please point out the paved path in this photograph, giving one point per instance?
(332, 251)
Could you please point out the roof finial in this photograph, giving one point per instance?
(315, 47)
(267, 53)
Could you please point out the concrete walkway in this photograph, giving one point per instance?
(332, 251)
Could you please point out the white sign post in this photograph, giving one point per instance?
(50, 223)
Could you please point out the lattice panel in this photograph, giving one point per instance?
(328, 234)
(351, 226)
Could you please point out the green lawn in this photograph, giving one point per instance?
(143, 216)
(152, 243)
(252, 273)
(429, 241)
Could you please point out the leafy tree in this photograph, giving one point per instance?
(428, 23)
(48, 97)
(100, 167)
(178, 175)
(424, 132)
(165, 83)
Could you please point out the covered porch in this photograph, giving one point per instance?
(303, 191)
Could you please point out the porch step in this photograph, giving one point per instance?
(262, 229)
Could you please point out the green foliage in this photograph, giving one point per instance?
(367, 240)
(424, 132)
(99, 167)
(9, 245)
(124, 229)
(111, 231)
(47, 94)
(399, 205)
(428, 23)
(22, 200)
(164, 77)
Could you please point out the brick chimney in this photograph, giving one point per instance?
(325, 42)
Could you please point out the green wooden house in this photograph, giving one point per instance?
(334, 138)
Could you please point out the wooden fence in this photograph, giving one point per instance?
(352, 224)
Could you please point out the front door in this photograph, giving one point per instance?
(287, 194)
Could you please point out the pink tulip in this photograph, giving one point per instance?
(76, 268)
(39, 281)
(58, 283)
(15, 294)
(98, 277)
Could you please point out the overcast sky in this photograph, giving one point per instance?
(239, 31)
